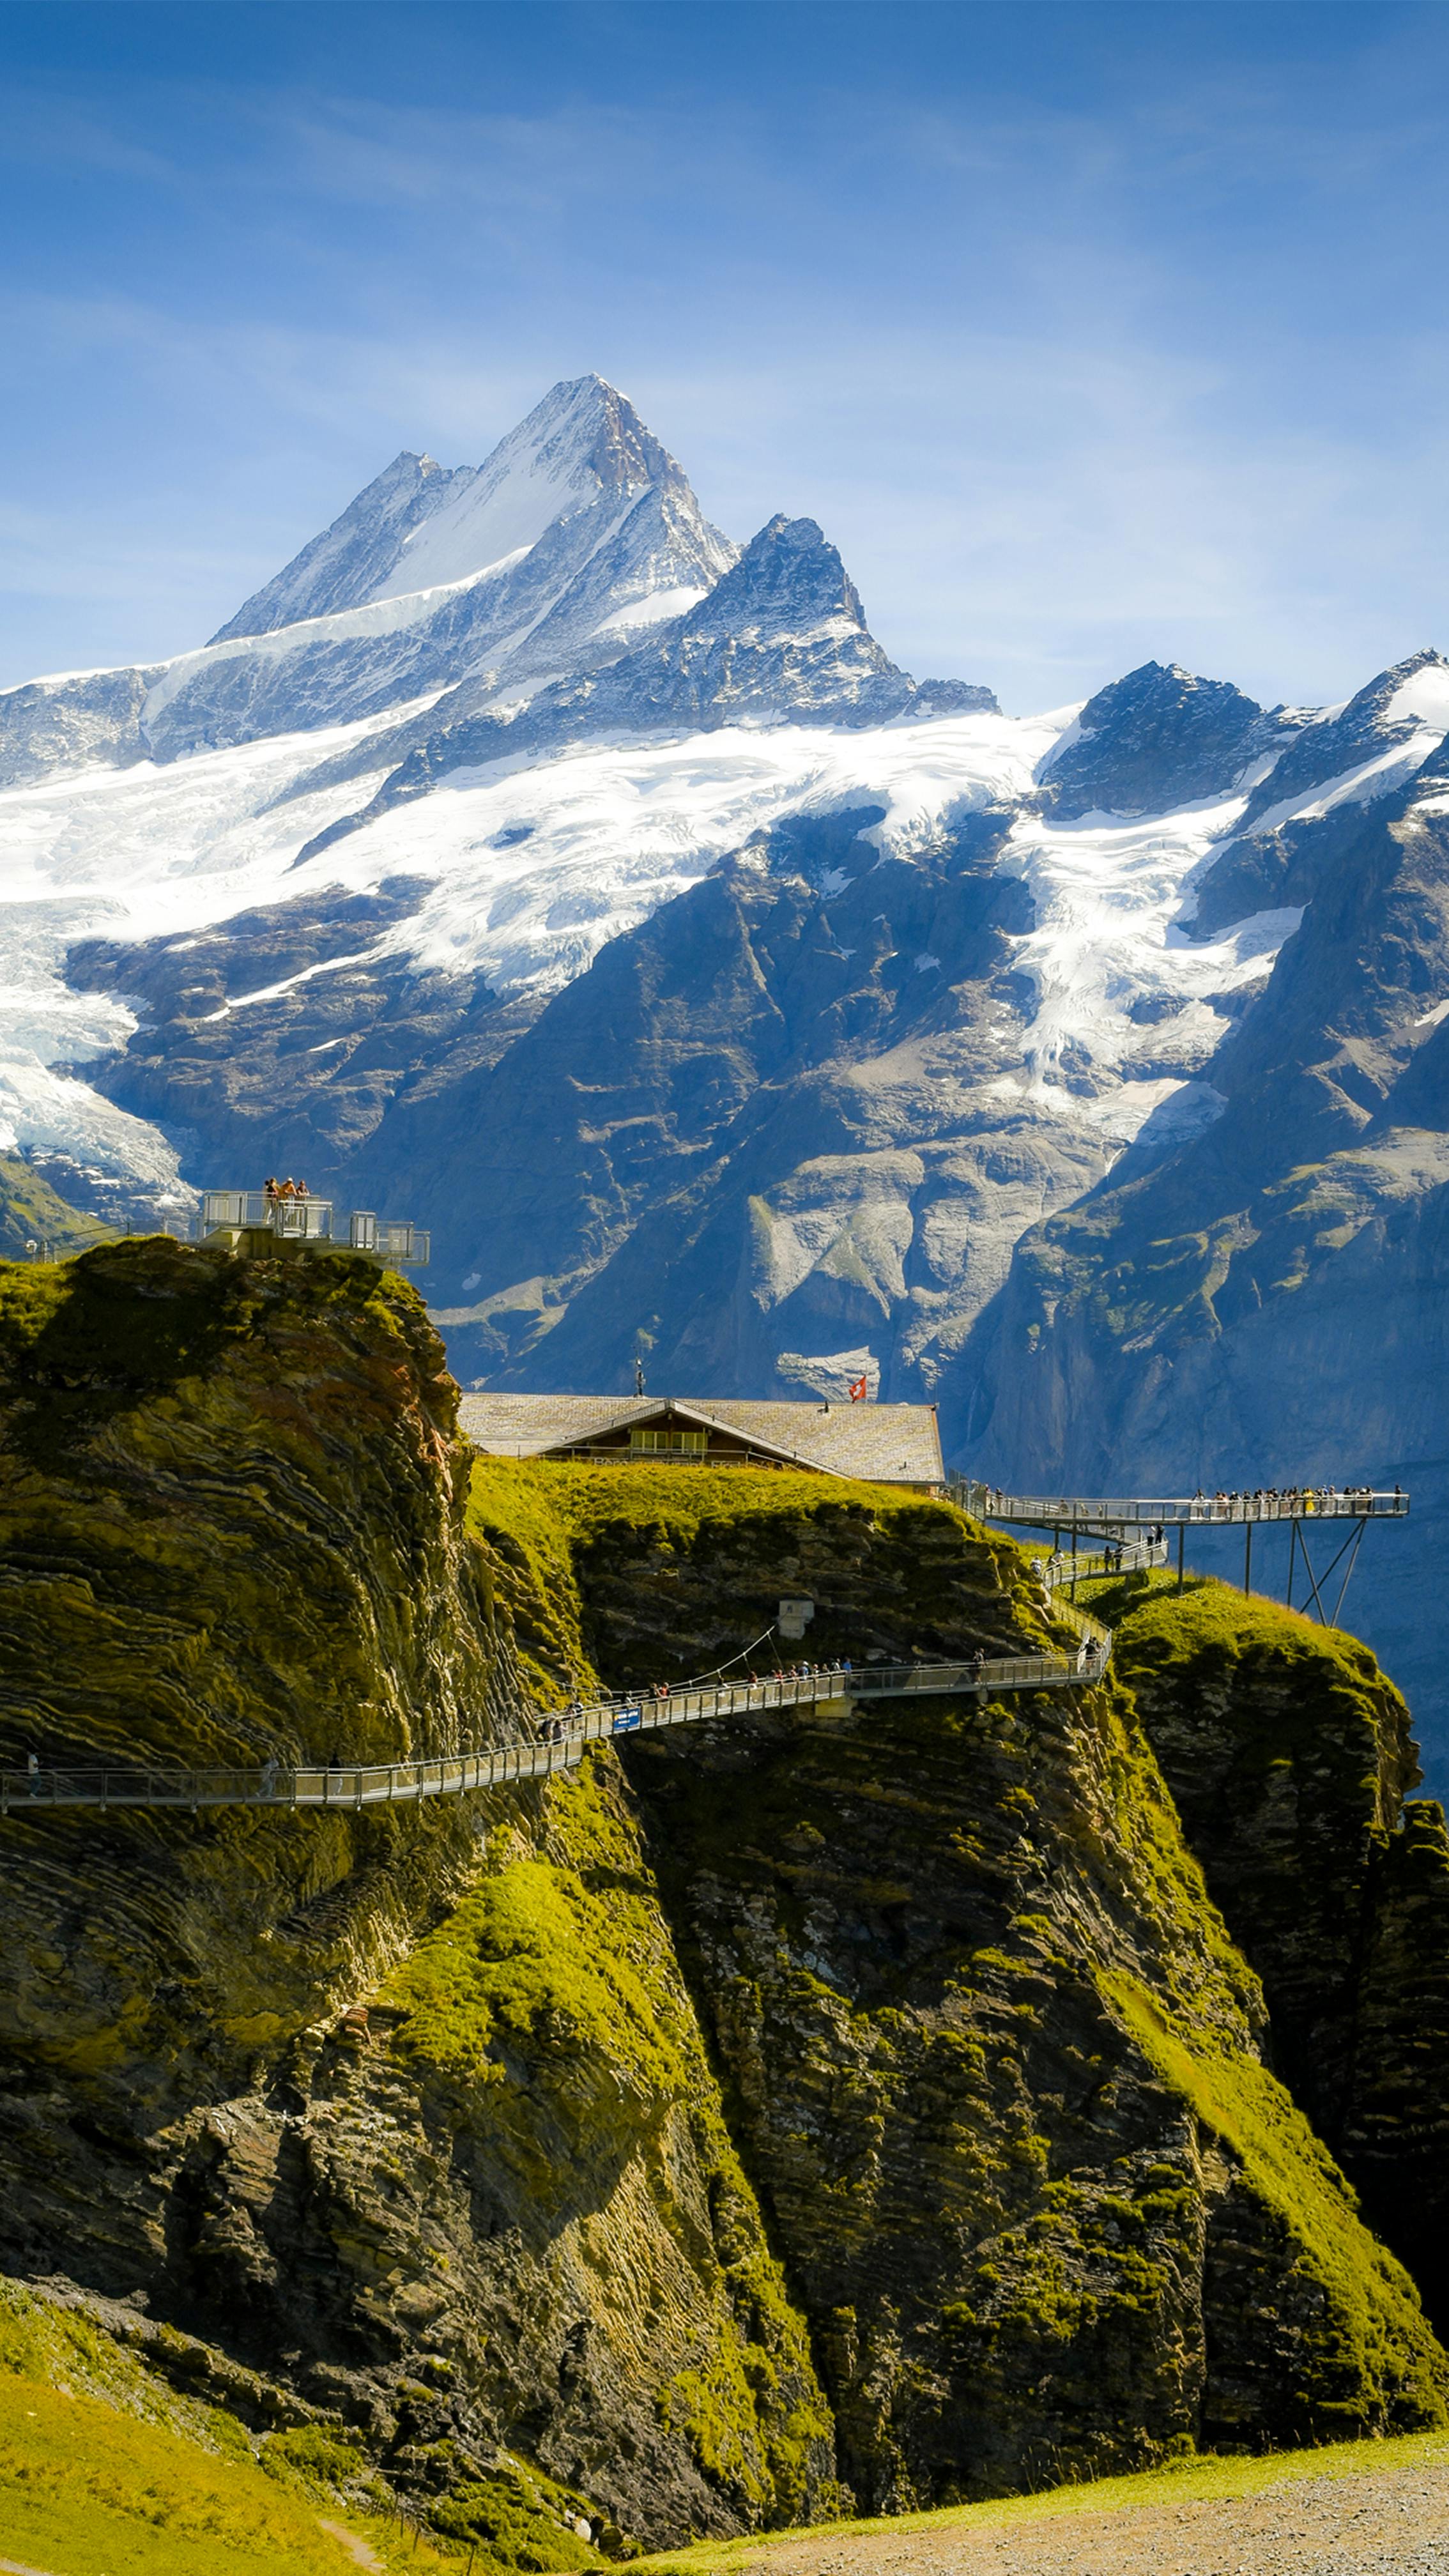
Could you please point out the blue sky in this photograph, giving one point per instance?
(1088, 332)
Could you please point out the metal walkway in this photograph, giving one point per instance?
(1113, 1519)
(1106, 1516)
(350, 1784)
(453, 1775)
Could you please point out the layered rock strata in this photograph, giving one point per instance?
(989, 2055)
(499, 2219)
(1289, 1755)
(869, 2105)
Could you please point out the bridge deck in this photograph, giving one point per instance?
(1108, 1513)
(453, 1775)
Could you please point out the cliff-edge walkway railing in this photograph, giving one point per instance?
(1113, 1513)
(1112, 1517)
(447, 1775)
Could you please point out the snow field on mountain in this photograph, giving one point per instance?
(1108, 898)
(529, 868)
(494, 515)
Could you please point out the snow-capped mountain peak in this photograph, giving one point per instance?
(579, 532)
(789, 581)
(421, 526)
(349, 562)
(1159, 736)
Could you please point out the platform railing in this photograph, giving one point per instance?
(393, 1240)
(1068, 1511)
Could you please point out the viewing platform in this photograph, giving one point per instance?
(1114, 1519)
(254, 1221)
(1105, 1517)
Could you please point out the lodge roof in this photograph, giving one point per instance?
(896, 1444)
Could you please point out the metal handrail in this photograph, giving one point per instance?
(363, 1784)
(394, 1240)
(1066, 1511)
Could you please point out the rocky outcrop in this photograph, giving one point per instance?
(990, 2061)
(1288, 1753)
(872, 2098)
(1158, 738)
(495, 2218)
(79, 720)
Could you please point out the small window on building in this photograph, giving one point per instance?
(668, 1437)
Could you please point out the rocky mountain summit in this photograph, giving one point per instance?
(422, 527)
(1160, 738)
(579, 529)
(781, 638)
(805, 2110)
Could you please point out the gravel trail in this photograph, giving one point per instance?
(1392, 2522)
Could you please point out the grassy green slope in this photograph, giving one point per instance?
(105, 2471)
(32, 1212)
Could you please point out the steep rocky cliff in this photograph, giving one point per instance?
(509, 2220)
(989, 2055)
(1289, 1755)
(867, 2102)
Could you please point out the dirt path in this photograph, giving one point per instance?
(1392, 2523)
(356, 2549)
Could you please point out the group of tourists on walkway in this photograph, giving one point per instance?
(1285, 1502)
(572, 1720)
(617, 1711)
(282, 1193)
(1118, 1556)
(1260, 1502)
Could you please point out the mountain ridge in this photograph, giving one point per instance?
(348, 880)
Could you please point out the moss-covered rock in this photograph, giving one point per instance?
(502, 2221)
(993, 2063)
(1289, 1754)
(881, 2086)
(663, 1573)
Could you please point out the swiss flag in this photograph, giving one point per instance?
(858, 1390)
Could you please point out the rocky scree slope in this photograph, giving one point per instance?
(789, 2104)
